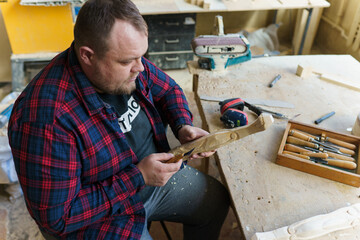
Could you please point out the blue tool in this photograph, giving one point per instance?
(5, 115)
(277, 78)
(326, 116)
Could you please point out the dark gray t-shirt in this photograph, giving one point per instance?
(133, 123)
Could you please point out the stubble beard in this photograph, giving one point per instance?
(124, 89)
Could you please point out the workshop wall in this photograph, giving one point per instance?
(249, 21)
(339, 29)
(233, 21)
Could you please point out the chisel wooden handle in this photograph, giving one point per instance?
(297, 155)
(346, 150)
(293, 148)
(341, 143)
(332, 162)
(298, 141)
(305, 137)
(341, 163)
(300, 135)
(339, 156)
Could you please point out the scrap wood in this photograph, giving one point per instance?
(306, 71)
(201, 3)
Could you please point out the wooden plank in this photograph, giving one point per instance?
(214, 5)
(156, 6)
(174, 6)
(251, 5)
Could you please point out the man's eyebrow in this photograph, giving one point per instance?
(132, 58)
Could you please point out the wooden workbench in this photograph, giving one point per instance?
(267, 196)
(182, 6)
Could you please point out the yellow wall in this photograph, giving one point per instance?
(5, 53)
(33, 29)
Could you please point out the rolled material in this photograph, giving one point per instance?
(356, 128)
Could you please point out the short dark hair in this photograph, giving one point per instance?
(96, 19)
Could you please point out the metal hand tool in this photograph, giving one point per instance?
(338, 142)
(319, 120)
(339, 150)
(277, 78)
(298, 141)
(259, 110)
(331, 162)
(332, 154)
(293, 148)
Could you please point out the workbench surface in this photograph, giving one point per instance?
(267, 196)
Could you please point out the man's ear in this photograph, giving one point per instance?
(86, 55)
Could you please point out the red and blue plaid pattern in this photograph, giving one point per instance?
(76, 169)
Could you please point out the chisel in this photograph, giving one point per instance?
(331, 154)
(324, 138)
(331, 162)
(293, 148)
(298, 141)
(316, 147)
(339, 150)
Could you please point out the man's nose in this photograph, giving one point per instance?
(138, 67)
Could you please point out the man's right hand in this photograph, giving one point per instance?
(154, 169)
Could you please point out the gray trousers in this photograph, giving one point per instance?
(196, 200)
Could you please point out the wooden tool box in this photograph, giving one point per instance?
(350, 177)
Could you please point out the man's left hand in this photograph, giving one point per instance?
(189, 133)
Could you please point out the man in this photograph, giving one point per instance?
(88, 138)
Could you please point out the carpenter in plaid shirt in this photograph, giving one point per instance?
(88, 138)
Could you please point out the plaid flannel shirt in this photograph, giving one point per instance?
(76, 169)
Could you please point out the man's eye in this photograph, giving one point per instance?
(125, 62)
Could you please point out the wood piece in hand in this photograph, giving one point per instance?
(221, 138)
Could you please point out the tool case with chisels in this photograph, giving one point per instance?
(320, 152)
